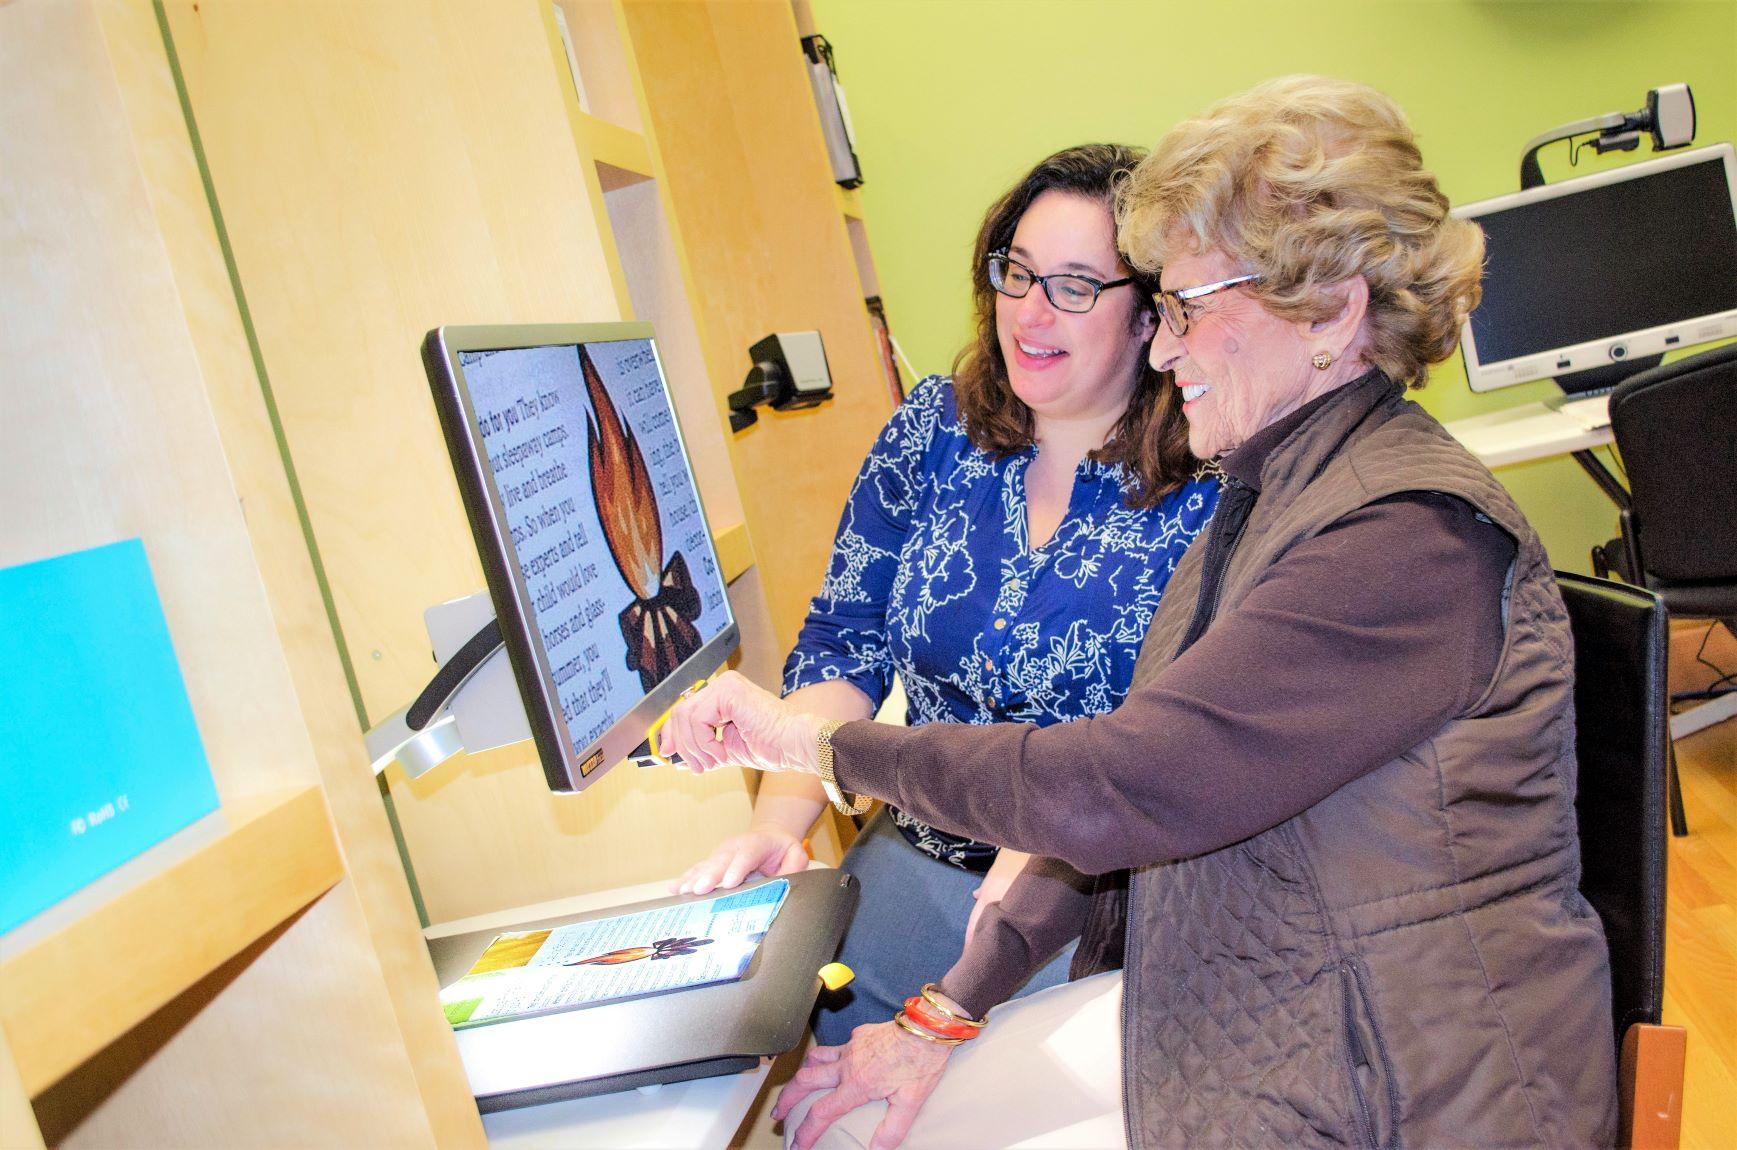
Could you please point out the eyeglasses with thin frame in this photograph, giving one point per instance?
(1075, 293)
(1173, 305)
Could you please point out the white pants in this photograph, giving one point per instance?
(1047, 1073)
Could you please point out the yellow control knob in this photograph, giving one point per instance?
(836, 974)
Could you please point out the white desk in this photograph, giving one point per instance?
(1534, 431)
(703, 1114)
(1520, 434)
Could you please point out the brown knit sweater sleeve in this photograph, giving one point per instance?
(1042, 911)
(1363, 642)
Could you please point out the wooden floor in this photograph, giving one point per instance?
(1701, 936)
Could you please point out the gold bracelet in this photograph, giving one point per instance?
(932, 996)
(910, 1027)
(856, 804)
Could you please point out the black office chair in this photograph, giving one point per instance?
(1676, 429)
(1620, 725)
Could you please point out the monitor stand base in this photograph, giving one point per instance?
(1599, 380)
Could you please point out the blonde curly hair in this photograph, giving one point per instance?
(1309, 181)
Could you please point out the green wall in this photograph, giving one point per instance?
(954, 99)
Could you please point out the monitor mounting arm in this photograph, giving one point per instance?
(1669, 117)
(1609, 126)
(471, 704)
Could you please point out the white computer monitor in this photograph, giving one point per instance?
(605, 584)
(1604, 269)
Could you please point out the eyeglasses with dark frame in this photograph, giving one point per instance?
(1071, 293)
(1173, 305)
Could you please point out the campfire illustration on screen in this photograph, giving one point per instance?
(659, 624)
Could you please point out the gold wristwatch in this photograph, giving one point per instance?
(856, 804)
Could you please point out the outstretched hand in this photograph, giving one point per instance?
(880, 1061)
(734, 723)
(771, 851)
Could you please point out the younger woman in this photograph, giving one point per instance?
(1003, 551)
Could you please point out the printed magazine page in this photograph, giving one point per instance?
(629, 956)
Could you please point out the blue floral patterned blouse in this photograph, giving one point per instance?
(931, 577)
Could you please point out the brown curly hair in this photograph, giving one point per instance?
(1150, 441)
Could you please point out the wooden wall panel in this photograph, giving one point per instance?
(384, 168)
(110, 432)
(290, 1044)
(758, 217)
(639, 217)
(18, 1129)
(160, 140)
(107, 433)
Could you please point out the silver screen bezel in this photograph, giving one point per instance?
(1551, 362)
(567, 767)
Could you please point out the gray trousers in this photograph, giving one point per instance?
(909, 929)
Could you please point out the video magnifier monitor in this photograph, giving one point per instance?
(1593, 271)
(605, 583)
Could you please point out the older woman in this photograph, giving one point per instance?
(1331, 826)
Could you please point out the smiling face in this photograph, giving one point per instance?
(1066, 365)
(1240, 367)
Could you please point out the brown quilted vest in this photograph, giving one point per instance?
(1408, 962)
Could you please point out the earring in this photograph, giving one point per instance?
(1322, 360)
